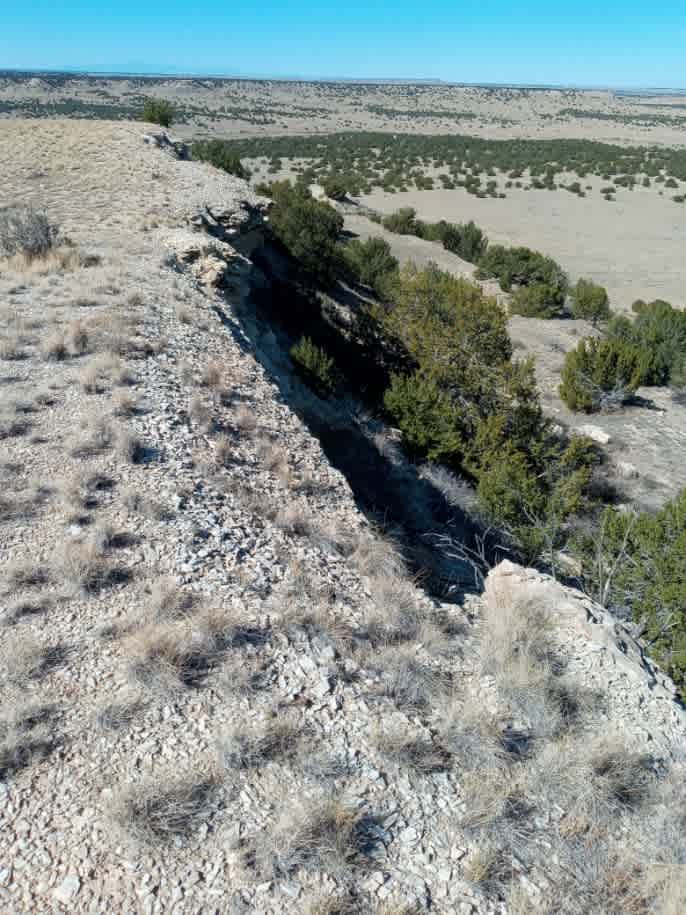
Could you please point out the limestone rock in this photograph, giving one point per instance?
(594, 432)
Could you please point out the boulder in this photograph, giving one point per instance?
(214, 263)
(595, 433)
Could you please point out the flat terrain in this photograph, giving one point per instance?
(234, 107)
(632, 246)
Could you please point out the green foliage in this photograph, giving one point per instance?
(447, 321)
(219, 154)
(402, 222)
(431, 422)
(659, 331)
(308, 229)
(463, 401)
(158, 111)
(315, 366)
(393, 160)
(601, 373)
(334, 187)
(370, 261)
(636, 563)
(589, 301)
(535, 500)
(466, 240)
(523, 267)
(536, 301)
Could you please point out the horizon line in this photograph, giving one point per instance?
(188, 75)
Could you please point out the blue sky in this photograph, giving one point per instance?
(586, 42)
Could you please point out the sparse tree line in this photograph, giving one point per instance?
(362, 161)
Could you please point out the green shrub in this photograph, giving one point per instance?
(466, 240)
(402, 222)
(447, 322)
(219, 154)
(600, 374)
(308, 229)
(589, 301)
(158, 111)
(370, 261)
(523, 267)
(462, 400)
(26, 231)
(534, 498)
(636, 564)
(315, 366)
(431, 423)
(536, 301)
(334, 187)
(659, 331)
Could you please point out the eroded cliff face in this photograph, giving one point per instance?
(205, 640)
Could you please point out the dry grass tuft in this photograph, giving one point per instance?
(622, 779)
(169, 656)
(11, 425)
(224, 451)
(26, 232)
(105, 369)
(124, 404)
(78, 337)
(26, 574)
(24, 607)
(118, 715)
(212, 375)
(156, 811)
(327, 904)
(473, 736)
(55, 348)
(412, 750)
(85, 566)
(295, 519)
(274, 457)
(183, 315)
(487, 868)
(245, 420)
(12, 349)
(250, 745)
(130, 447)
(379, 557)
(169, 601)
(25, 737)
(201, 414)
(414, 684)
(94, 437)
(28, 660)
(317, 834)
(147, 506)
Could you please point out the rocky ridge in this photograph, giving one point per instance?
(227, 529)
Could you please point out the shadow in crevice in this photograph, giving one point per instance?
(387, 486)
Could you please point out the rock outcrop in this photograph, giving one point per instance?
(600, 653)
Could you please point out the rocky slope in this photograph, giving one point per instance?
(220, 688)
